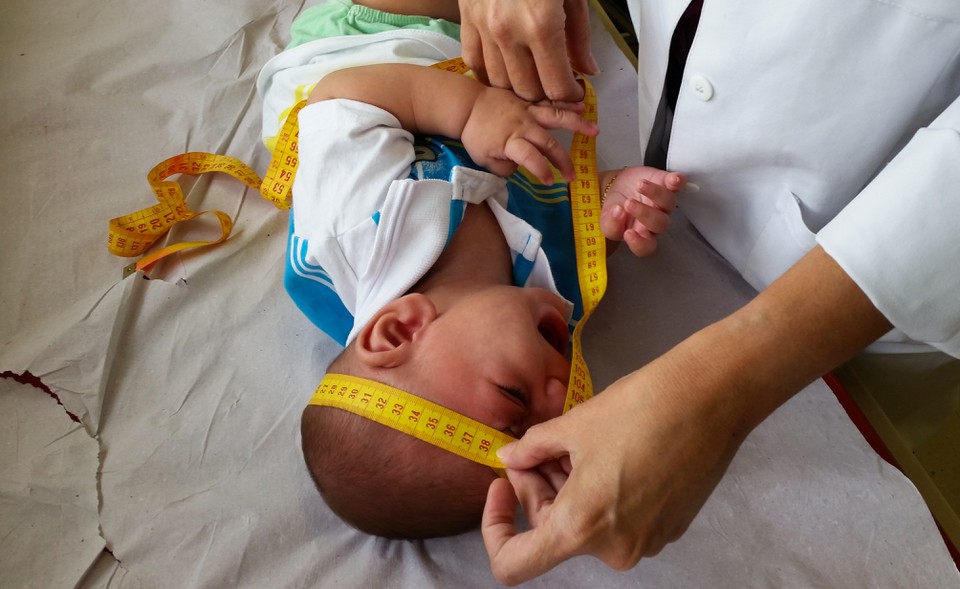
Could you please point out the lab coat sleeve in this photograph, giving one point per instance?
(899, 239)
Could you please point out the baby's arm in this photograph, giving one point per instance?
(637, 204)
(498, 129)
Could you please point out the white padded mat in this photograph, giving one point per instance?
(185, 470)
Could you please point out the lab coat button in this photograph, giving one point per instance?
(701, 87)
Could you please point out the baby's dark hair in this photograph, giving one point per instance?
(385, 482)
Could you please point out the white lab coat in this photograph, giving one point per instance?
(822, 121)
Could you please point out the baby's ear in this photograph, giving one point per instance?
(385, 341)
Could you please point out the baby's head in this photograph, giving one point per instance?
(386, 483)
(497, 355)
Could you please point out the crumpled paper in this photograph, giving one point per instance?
(49, 524)
(192, 379)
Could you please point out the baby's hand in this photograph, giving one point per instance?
(504, 131)
(637, 205)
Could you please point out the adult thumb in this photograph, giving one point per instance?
(542, 443)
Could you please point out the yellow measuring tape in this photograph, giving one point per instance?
(590, 244)
(457, 433)
(132, 235)
(413, 415)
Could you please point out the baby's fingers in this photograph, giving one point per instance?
(641, 242)
(619, 223)
(613, 222)
(657, 196)
(648, 215)
(535, 149)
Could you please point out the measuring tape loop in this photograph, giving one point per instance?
(133, 234)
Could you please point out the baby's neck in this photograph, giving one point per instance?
(476, 256)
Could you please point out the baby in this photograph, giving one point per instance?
(439, 275)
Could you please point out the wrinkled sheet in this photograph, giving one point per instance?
(188, 385)
(49, 527)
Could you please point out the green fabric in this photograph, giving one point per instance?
(335, 18)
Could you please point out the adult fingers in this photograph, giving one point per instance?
(561, 529)
(516, 557)
(556, 115)
(551, 55)
(471, 47)
(556, 472)
(532, 42)
(565, 464)
(495, 70)
(577, 31)
(500, 535)
(552, 65)
(498, 525)
(522, 73)
(541, 443)
(574, 107)
(534, 491)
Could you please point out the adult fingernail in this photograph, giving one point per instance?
(592, 65)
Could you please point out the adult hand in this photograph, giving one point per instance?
(531, 46)
(642, 458)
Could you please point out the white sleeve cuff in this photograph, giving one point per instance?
(899, 240)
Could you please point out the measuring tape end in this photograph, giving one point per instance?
(129, 269)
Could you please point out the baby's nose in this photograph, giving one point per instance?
(556, 397)
(556, 388)
(549, 404)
